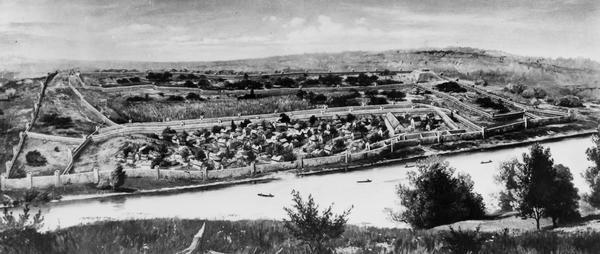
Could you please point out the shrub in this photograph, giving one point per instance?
(487, 102)
(193, 97)
(57, 121)
(570, 101)
(24, 221)
(377, 101)
(35, 158)
(314, 230)
(138, 98)
(395, 95)
(450, 87)
(175, 98)
(467, 241)
(117, 177)
(515, 88)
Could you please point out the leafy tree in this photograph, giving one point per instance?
(536, 180)
(193, 97)
(117, 177)
(216, 129)
(571, 101)
(189, 83)
(168, 133)
(284, 118)
(330, 80)
(35, 158)
(312, 120)
(508, 177)
(592, 174)
(200, 155)
(311, 228)
(565, 203)
(233, 125)
(203, 83)
(539, 188)
(437, 197)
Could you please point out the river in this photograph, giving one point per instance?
(369, 200)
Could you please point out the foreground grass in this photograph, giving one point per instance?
(172, 235)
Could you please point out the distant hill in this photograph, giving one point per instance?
(494, 66)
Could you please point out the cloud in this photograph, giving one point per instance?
(133, 29)
(270, 19)
(361, 21)
(294, 22)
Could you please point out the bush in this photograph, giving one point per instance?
(459, 241)
(57, 121)
(487, 102)
(193, 97)
(138, 98)
(570, 101)
(395, 95)
(117, 177)
(175, 98)
(314, 230)
(450, 87)
(378, 101)
(35, 158)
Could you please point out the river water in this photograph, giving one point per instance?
(370, 201)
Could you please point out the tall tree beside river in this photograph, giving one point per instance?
(538, 188)
(592, 174)
(436, 196)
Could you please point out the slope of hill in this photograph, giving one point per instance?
(494, 66)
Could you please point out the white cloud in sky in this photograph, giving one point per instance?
(294, 22)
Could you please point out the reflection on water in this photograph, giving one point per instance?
(370, 200)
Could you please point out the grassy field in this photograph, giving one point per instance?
(159, 111)
(60, 100)
(15, 113)
(172, 235)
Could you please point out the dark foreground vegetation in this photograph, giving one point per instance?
(173, 235)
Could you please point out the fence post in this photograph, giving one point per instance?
(392, 145)
(157, 172)
(29, 178)
(8, 167)
(3, 181)
(56, 178)
(525, 121)
(253, 165)
(483, 132)
(96, 175)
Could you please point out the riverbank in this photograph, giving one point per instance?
(144, 186)
(269, 236)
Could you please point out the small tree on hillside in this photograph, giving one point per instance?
(117, 177)
(592, 174)
(35, 158)
(537, 177)
(437, 196)
(314, 229)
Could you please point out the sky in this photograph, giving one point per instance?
(187, 30)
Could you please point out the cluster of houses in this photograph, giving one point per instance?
(241, 144)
